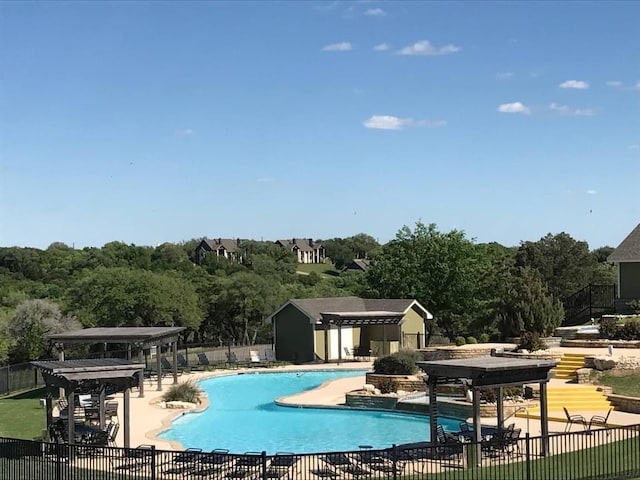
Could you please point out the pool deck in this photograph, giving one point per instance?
(148, 419)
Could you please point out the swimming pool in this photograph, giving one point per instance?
(242, 416)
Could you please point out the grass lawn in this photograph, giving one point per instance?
(319, 268)
(623, 382)
(21, 415)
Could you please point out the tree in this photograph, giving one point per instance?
(566, 265)
(339, 251)
(115, 297)
(440, 270)
(602, 254)
(362, 245)
(32, 322)
(527, 306)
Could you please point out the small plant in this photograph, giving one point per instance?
(460, 341)
(472, 340)
(387, 385)
(608, 327)
(635, 305)
(483, 338)
(183, 392)
(630, 330)
(531, 341)
(399, 363)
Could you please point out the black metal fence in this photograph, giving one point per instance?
(590, 300)
(22, 376)
(601, 453)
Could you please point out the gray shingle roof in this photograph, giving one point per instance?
(315, 306)
(629, 249)
(229, 244)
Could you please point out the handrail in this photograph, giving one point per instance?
(516, 411)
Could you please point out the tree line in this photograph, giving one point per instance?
(471, 288)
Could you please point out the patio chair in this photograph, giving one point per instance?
(270, 356)
(232, 360)
(600, 420)
(344, 463)
(168, 368)
(184, 462)
(110, 410)
(577, 419)
(255, 360)
(112, 432)
(448, 446)
(348, 353)
(382, 462)
(203, 360)
(183, 363)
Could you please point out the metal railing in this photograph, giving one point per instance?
(21, 376)
(598, 453)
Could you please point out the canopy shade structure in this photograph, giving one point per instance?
(359, 319)
(141, 337)
(71, 374)
(480, 373)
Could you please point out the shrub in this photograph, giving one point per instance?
(460, 341)
(630, 330)
(484, 338)
(399, 363)
(183, 392)
(608, 327)
(472, 340)
(531, 341)
(635, 305)
(387, 385)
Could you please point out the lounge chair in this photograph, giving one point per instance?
(248, 466)
(283, 465)
(232, 360)
(255, 360)
(213, 462)
(203, 360)
(167, 368)
(133, 459)
(448, 445)
(112, 433)
(184, 462)
(344, 463)
(577, 419)
(348, 353)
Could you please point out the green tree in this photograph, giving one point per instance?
(122, 296)
(602, 254)
(440, 270)
(527, 306)
(339, 251)
(32, 322)
(566, 265)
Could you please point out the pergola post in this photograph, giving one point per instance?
(433, 407)
(384, 340)
(326, 342)
(141, 359)
(339, 342)
(70, 416)
(61, 393)
(128, 351)
(174, 355)
(544, 419)
(49, 407)
(500, 408)
(477, 424)
(126, 413)
(159, 366)
(101, 407)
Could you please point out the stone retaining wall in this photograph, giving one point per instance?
(375, 402)
(462, 409)
(624, 403)
(408, 383)
(451, 353)
(601, 343)
(533, 356)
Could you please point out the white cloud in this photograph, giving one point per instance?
(375, 12)
(185, 132)
(576, 84)
(634, 147)
(614, 83)
(567, 110)
(338, 47)
(504, 75)
(515, 107)
(391, 122)
(382, 47)
(425, 48)
(592, 192)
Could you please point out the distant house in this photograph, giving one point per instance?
(358, 265)
(326, 328)
(626, 258)
(305, 249)
(221, 247)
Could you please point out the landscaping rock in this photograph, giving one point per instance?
(180, 405)
(369, 388)
(604, 363)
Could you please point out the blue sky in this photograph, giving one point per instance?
(153, 122)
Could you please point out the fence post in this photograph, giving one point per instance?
(58, 459)
(528, 454)
(394, 456)
(153, 462)
(264, 465)
(590, 303)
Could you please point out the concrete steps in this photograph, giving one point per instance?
(575, 398)
(569, 363)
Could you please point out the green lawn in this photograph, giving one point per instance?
(623, 382)
(319, 268)
(21, 415)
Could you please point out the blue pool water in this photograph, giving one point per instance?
(242, 416)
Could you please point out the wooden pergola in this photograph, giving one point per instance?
(356, 319)
(72, 375)
(481, 373)
(140, 337)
